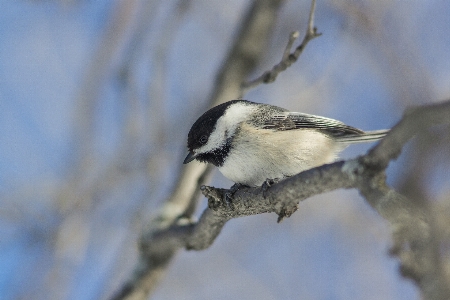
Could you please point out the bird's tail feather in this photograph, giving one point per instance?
(367, 136)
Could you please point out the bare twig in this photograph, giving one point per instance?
(288, 58)
(415, 243)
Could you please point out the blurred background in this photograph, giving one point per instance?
(97, 98)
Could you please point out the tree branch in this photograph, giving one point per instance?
(415, 243)
(413, 237)
(415, 120)
(244, 55)
(288, 58)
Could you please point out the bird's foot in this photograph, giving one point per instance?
(269, 183)
(229, 195)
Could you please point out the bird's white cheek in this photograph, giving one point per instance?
(216, 140)
(226, 126)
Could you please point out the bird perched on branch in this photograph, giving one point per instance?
(251, 142)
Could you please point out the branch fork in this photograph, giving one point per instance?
(288, 57)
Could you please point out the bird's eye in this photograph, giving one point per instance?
(203, 139)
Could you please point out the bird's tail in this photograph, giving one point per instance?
(367, 136)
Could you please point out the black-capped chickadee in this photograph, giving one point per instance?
(252, 142)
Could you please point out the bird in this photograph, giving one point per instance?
(253, 143)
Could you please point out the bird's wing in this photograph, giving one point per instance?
(294, 120)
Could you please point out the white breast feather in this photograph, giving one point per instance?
(267, 154)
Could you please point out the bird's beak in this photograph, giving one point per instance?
(190, 157)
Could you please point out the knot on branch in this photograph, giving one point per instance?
(286, 211)
(217, 197)
(244, 201)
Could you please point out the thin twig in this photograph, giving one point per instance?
(288, 58)
(287, 51)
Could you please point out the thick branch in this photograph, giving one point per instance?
(414, 241)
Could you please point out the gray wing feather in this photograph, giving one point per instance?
(293, 120)
(367, 136)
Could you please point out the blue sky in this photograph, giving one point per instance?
(69, 230)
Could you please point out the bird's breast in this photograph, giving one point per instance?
(260, 154)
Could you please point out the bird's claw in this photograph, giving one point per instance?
(267, 184)
(220, 197)
(229, 195)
